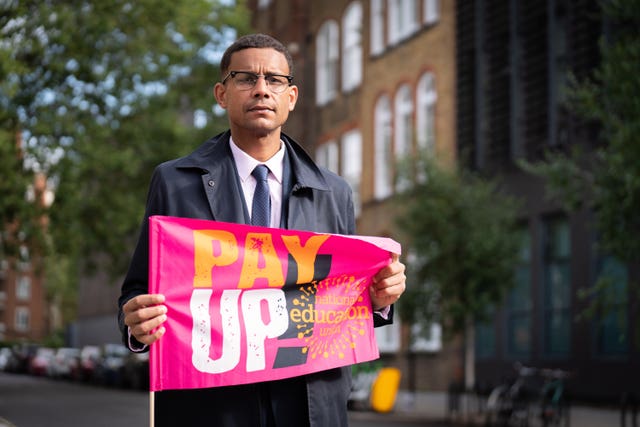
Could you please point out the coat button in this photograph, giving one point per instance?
(211, 183)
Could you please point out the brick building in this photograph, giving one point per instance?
(25, 314)
(377, 84)
(381, 78)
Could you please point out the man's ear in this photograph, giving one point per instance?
(220, 93)
(293, 97)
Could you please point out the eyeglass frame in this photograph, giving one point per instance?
(233, 73)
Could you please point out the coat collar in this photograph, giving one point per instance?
(215, 154)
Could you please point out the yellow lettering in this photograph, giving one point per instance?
(211, 248)
(260, 261)
(308, 315)
(305, 255)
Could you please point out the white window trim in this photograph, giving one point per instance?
(327, 155)
(383, 152)
(377, 27)
(22, 319)
(403, 131)
(402, 17)
(430, 11)
(23, 287)
(388, 337)
(351, 164)
(352, 47)
(327, 58)
(426, 98)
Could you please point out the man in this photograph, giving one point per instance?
(215, 182)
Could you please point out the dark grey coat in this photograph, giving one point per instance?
(205, 185)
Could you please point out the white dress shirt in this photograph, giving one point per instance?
(245, 164)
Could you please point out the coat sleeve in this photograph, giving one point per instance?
(136, 281)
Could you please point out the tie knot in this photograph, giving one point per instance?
(260, 172)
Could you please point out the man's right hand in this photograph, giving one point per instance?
(144, 315)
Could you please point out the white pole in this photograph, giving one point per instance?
(152, 408)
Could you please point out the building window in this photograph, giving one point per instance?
(403, 19)
(557, 288)
(485, 337)
(263, 4)
(351, 164)
(22, 319)
(327, 55)
(403, 137)
(388, 337)
(377, 27)
(426, 339)
(425, 119)
(383, 155)
(23, 288)
(519, 309)
(352, 47)
(327, 156)
(430, 11)
(613, 318)
(425, 116)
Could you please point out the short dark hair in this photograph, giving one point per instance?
(260, 41)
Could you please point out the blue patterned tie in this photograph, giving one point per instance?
(261, 208)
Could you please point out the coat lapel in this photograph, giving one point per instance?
(220, 180)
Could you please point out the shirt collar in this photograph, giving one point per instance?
(245, 163)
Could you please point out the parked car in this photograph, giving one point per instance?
(5, 358)
(65, 362)
(108, 369)
(135, 371)
(89, 356)
(21, 355)
(41, 362)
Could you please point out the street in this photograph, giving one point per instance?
(27, 401)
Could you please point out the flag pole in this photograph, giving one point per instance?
(152, 409)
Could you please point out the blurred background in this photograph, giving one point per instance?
(497, 140)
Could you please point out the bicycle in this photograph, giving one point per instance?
(554, 407)
(509, 404)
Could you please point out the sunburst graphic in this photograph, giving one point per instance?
(307, 293)
(345, 336)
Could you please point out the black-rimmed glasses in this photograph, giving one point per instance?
(246, 80)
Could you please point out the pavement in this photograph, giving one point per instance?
(431, 408)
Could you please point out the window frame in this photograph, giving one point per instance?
(327, 60)
(383, 149)
(352, 47)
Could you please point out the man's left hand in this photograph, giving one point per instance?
(388, 284)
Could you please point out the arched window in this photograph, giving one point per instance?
(430, 11)
(352, 47)
(327, 55)
(425, 120)
(403, 19)
(383, 154)
(351, 163)
(327, 155)
(377, 27)
(403, 136)
(425, 114)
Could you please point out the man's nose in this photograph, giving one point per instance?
(261, 89)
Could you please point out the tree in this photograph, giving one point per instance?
(606, 180)
(463, 243)
(101, 92)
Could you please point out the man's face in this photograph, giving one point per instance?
(258, 111)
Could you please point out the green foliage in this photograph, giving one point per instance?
(102, 92)
(462, 246)
(607, 180)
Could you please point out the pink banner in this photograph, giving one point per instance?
(249, 304)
